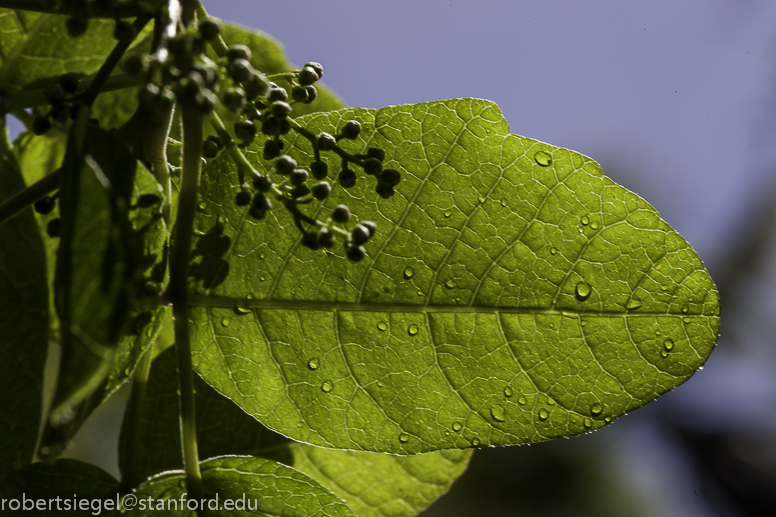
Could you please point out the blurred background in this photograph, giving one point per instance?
(676, 101)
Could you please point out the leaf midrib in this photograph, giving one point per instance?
(229, 302)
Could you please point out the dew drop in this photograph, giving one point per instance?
(448, 213)
(596, 408)
(594, 225)
(313, 364)
(299, 424)
(447, 433)
(685, 308)
(404, 437)
(553, 251)
(543, 158)
(261, 256)
(522, 401)
(149, 332)
(508, 391)
(504, 203)
(498, 414)
(475, 441)
(657, 332)
(408, 273)
(668, 344)
(551, 402)
(458, 300)
(588, 423)
(241, 310)
(225, 322)
(420, 293)
(380, 384)
(686, 320)
(664, 353)
(413, 330)
(457, 426)
(201, 206)
(261, 278)
(450, 284)
(583, 291)
(608, 420)
(382, 326)
(633, 304)
(543, 414)
(327, 386)
(481, 199)
(585, 220)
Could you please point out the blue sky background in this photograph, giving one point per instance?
(676, 100)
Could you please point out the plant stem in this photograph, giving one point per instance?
(28, 196)
(132, 475)
(37, 98)
(217, 44)
(110, 63)
(178, 293)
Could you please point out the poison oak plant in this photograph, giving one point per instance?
(358, 297)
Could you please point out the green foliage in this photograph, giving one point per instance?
(347, 340)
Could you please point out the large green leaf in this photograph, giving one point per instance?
(37, 46)
(253, 486)
(372, 484)
(64, 487)
(511, 294)
(24, 306)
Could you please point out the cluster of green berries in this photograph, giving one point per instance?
(62, 101)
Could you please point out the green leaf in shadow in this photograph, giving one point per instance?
(24, 332)
(511, 294)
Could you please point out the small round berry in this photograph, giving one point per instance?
(360, 234)
(347, 178)
(355, 253)
(209, 28)
(374, 152)
(206, 102)
(216, 140)
(242, 198)
(325, 142)
(307, 76)
(285, 165)
(76, 26)
(319, 170)
(45, 205)
(257, 214)
(315, 66)
(284, 126)
(301, 191)
(241, 70)
(310, 240)
(299, 94)
(340, 214)
(256, 85)
(325, 238)
(321, 190)
(251, 113)
(60, 112)
(147, 200)
(298, 176)
(312, 94)
(389, 177)
(384, 191)
(234, 99)
(270, 126)
(238, 52)
(373, 166)
(124, 31)
(351, 130)
(53, 227)
(136, 65)
(271, 150)
(198, 46)
(69, 82)
(369, 225)
(41, 125)
(209, 149)
(280, 109)
(208, 73)
(55, 95)
(261, 202)
(262, 183)
(277, 94)
(244, 130)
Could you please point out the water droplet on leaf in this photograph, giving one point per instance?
(225, 322)
(583, 291)
(413, 330)
(327, 386)
(596, 408)
(664, 353)
(553, 251)
(313, 363)
(522, 401)
(404, 437)
(382, 326)
(543, 158)
(588, 423)
(448, 213)
(633, 304)
(685, 308)
(380, 384)
(498, 414)
(457, 426)
(585, 220)
(594, 225)
(508, 391)
(551, 402)
(409, 273)
(481, 199)
(668, 344)
(504, 203)
(450, 284)
(475, 441)
(543, 414)
(241, 310)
